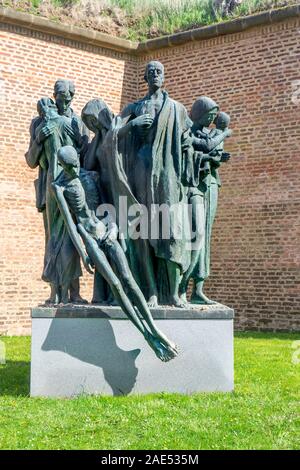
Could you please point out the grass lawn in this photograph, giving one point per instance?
(262, 413)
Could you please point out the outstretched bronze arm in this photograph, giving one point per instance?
(71, 227)
(207, 144)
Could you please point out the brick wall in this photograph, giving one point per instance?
(255, 252)
(256, 236)
(30, 62)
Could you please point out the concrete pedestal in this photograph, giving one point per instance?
(97, 350)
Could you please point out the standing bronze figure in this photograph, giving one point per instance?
(152, 158)
(203, 178)
(57, 125)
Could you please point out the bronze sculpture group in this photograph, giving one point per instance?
(136, 203)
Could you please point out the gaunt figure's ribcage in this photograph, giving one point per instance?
(75, 198)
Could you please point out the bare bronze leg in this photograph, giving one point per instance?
(75, 296)
(103, 267)
(54, 295)
(64, 299)
(115, 252)
(174, 281)
(199, 297)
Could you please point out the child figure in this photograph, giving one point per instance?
(73, 190)
(221, 122)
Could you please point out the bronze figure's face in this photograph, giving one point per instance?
(222, 120)
(92, 123)
(209, 117)
(71, 170)
(204, 111)
(154, 75)
(63, 101)
(64, 91)
(97, 116)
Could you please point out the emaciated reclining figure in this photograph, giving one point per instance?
(73, 188)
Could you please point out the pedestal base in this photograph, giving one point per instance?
(97, 350)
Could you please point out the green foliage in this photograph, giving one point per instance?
(262, 413)
(166, 19)
(127, 5)
(140, 19)
(63, 3)
(251, 6)
(36, 3)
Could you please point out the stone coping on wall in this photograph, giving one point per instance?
(198, 312)
(37, 23)
(41, 24)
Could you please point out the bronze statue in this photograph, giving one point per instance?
(164, 164)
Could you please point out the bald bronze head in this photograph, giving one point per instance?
(154, 74)
(68, 159)
(222, 120)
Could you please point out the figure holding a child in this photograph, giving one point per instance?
(57, 125)
(202, 177)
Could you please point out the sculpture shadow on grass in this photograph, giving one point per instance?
(95, 343)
